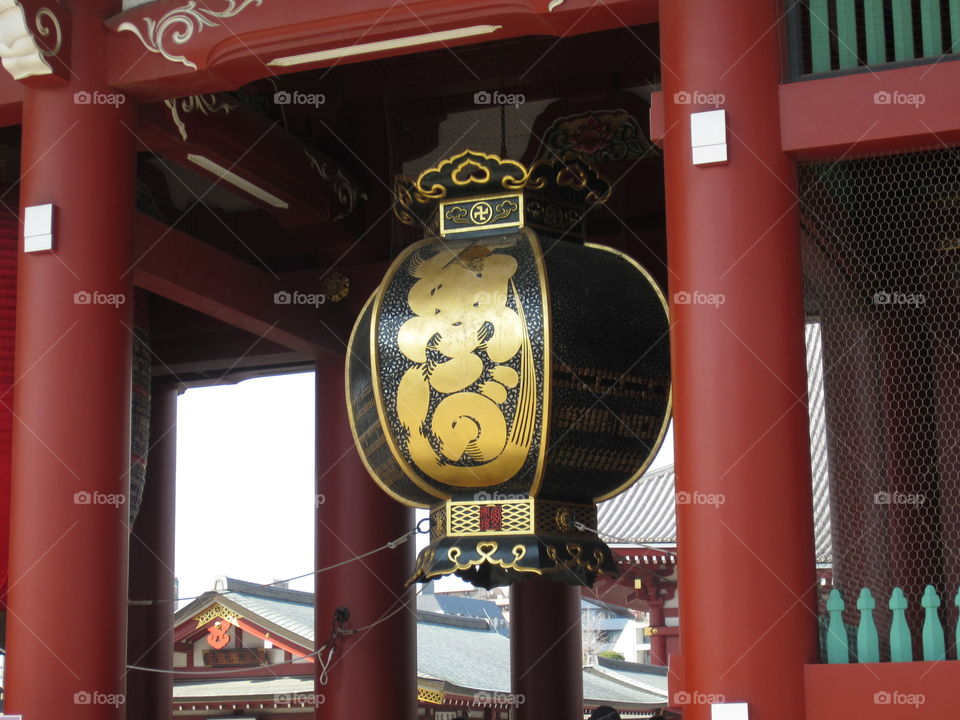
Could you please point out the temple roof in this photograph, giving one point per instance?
(246, 688)
(465, 607)
(465, 655)
(652, 676)
(291, 610)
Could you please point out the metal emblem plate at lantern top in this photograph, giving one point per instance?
(509, 378)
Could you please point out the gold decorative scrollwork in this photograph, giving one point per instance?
(504, 210)
(425, 560)
(564, 519)
(575, 553)
(488, 174)
(486, 549)
(471, 167)
(458, 214)
(217, 611)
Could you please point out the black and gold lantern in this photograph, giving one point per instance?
(508, 377)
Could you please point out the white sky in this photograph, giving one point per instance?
(245, 483)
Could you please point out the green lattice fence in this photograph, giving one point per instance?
(842, 35)
(843, 642)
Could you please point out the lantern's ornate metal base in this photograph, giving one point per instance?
(497, 542)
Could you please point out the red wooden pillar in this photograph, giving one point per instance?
(658, 642)
(152, 546)
(8, 291)
(66, 631)
(546, 659)
(355, 516)
(742, 445)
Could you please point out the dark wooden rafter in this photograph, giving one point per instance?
(213, 134)
(196, 350)
(180, 268)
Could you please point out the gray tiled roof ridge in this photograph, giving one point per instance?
(245, 587)
(615, 664)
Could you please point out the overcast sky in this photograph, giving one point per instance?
(245, 482)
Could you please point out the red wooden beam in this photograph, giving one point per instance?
(227, 43)
(868, 112)
(293, 648)
(187, 271)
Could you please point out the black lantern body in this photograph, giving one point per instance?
(509, 380)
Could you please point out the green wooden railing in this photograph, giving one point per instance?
(832, 35)
(839, 635)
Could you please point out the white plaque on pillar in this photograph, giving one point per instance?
(37, 234)
(729, 711)
(708, 137)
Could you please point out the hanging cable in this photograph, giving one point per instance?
(337, 631)
(392, 545)
(614, 539)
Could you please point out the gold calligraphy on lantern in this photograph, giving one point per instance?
(460, 340)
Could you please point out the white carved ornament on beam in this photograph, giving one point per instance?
(178, 26)
(33, 41)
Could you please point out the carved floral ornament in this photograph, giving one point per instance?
(178, 26)
(29, 39)
(204, 104)
(348, 194)
(216, 611)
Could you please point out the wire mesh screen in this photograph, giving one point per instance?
(881, 255)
